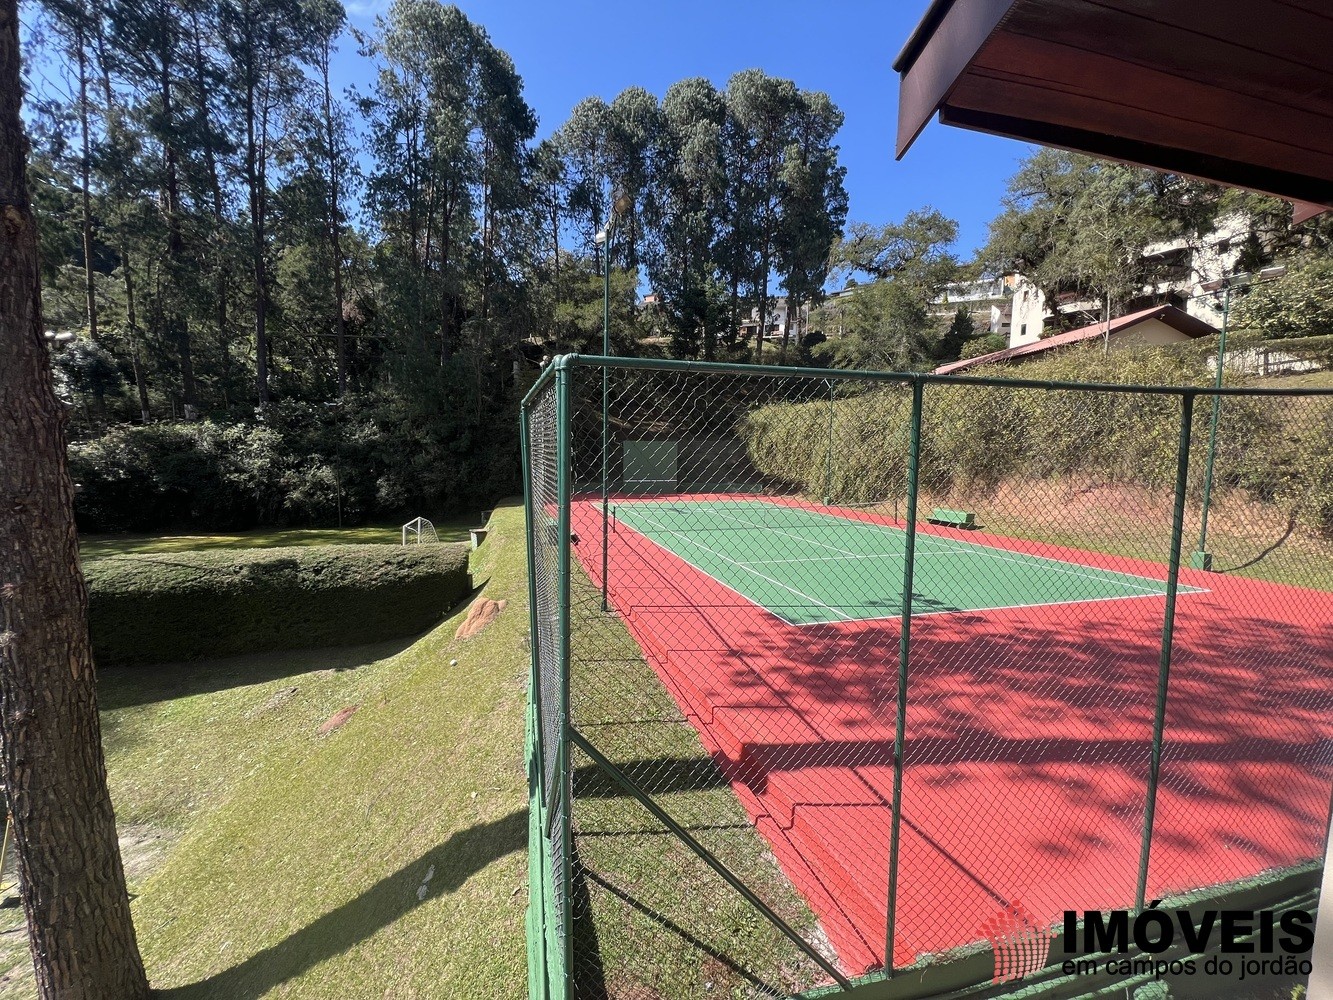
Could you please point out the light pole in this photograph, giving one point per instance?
(620, 204)
(1201, 558)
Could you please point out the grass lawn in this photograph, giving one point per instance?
(382, 859)
(1305, 380)
(652, 920)
(454, 529)
(386, 859)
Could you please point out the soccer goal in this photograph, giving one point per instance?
(419, 530)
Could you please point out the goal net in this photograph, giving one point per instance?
(419, 530)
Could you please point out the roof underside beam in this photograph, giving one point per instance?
(940, 50)
(1234, 91)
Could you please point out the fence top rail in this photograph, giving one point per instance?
(546, 375)
(566, 361)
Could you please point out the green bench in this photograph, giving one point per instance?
(953, 518)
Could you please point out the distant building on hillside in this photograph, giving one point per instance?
(1013, 307)
(780, 317)
(988, 300)
(1158, 325)
(1182, 266)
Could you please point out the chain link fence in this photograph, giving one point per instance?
(841, 676)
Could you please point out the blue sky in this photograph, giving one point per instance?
(566, 51)
(569, 49)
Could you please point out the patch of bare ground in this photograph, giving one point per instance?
(479, 615)
(142, 848)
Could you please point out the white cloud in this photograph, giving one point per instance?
(365, 8)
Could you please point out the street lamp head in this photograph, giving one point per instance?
(1244, 278)
(601, 237)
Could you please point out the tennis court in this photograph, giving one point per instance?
(809, 567)
(775, 624)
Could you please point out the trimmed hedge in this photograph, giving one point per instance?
(159, 607)
(975, 438)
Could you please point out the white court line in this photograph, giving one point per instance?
(950, 547)
(987, 555)
(866, 555)
(762, 576)
(775, 531)
(1005, 607)
(1182, 588)
(990, 550)
(699, 569)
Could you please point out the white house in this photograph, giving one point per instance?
(1183, 265)
(988, 300)
(1159, 325)
(779, 317)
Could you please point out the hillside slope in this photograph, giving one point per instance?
(382, 859)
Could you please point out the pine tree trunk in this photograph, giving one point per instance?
(555, 238)
(140, 382)
(85, 179)
(222, 276)
(761, 279)
(177, 328)
(70, 873)
(733, 312)
(334, 221)
(254, 176)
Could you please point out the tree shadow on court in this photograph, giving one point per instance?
(1028, 733)
(458, 858)
(1058, 707)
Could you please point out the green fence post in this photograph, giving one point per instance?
(828, 457)
(564, 458)
(904, 651)
(529, 527)
(537, 843)
(1201, 558)
(1168, 638)
(606, 488)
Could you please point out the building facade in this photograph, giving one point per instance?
(1182, 265)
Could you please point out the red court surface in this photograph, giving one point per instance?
(1027, 743)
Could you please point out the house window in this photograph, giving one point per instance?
(1023, 331)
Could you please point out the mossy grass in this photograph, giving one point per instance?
(94, 546)
(268, 860)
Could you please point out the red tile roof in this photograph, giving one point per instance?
(1172, 316)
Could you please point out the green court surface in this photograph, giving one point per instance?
(809, 567)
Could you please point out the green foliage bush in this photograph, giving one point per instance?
(978, 346)
(157, 608)
(976, 437)
(1298, 304)
(303, 464)
(1296, 470)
